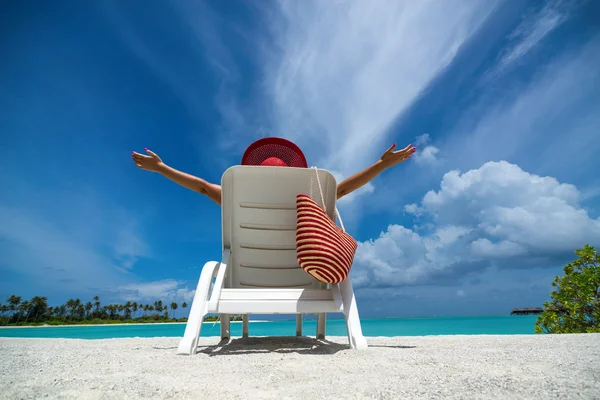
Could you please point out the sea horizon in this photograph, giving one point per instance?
(387, 327)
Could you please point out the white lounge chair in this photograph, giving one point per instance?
(259, 272)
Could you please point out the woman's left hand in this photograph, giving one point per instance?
(391, 157)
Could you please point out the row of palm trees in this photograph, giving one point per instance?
(17, 311)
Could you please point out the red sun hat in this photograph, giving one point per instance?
(275, 152)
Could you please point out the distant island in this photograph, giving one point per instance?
(36, 312)
(527, 311)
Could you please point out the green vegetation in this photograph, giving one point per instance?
(36, 311)
(575, 305)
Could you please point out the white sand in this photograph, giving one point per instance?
(432, 367)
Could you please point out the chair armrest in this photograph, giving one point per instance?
(216, 292)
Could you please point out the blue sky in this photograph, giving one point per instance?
(501, 98)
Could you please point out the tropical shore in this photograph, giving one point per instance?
(76, 325)
(432, 367)
(125, 324)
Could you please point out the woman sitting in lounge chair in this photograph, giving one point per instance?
(272, 152)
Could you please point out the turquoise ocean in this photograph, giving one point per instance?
(492, 325)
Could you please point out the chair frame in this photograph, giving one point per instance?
(220, 288)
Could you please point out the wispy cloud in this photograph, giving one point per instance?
(529, 123)
(531, 32)
(128, 245)
(520, 120)
(166, 290)
(177, 74)
(342, 72)
(52, 259)
(422, 140)
(75, 240)
(590, 192)
(331, 73)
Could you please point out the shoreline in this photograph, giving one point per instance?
(130, 324)
(279, 320)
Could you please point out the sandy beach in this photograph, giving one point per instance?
(431, 367)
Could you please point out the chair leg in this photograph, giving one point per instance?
(321, 322)
(245, 326)
(225, 333)
(189, 342)
(298, 324)
(355, 335)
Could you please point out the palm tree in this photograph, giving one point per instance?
(70, 304)
(184, 305)
(25, 307)
(4, 309)
(61, 312)
(97, 305)
(134, 307)
(88, 308)
(80, 311)
(127, 309)
(39, 306)
(158, 306)
(14, 302)
(77, 309)
(173, 308)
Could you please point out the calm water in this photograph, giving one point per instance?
(495, 325)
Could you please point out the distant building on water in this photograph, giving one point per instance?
(526, 311)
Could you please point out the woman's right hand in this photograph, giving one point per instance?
(149, 163)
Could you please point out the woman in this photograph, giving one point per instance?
(272, 152)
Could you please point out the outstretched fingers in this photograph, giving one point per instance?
(139, 157)
(408, 150)
(151, 152)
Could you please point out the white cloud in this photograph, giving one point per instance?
(422, 140)
(413, 209)
(166, 290)
(491, 214)
(484, 248)
(426, 153)
(460, 293)
(342, 72)
(426, 156)
(531, 31)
